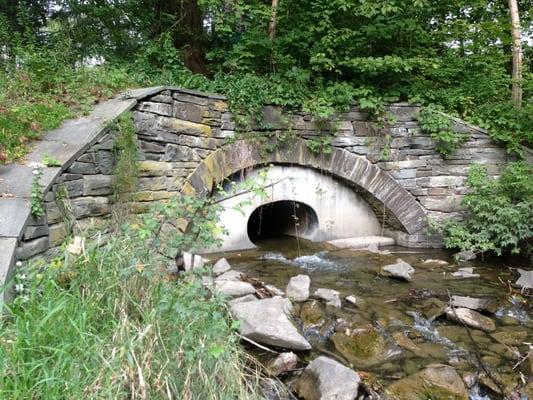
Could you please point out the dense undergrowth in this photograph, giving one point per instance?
(110, 322)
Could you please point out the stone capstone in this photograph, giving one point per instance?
(298, 288)
(327, 379)
(266, 321)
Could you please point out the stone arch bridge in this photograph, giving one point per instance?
(188, 141)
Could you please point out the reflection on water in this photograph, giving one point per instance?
(392, 306)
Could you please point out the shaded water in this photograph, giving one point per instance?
(393, 306)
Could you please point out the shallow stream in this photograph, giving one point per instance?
(399, 310)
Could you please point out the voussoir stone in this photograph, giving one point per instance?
(327, 379)
(298, 288)
(266, 321)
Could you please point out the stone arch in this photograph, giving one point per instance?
(357, 171)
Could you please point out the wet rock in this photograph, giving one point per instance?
(471, 318)
(312, 313)
(526, 279)
(231, 275)
(355, 300)
(326, 379)
(490, 360)
(221, 266)
(436, 381)
(510, 336)
(432, 308)
(509, 321)
(505, 383)
(243, 299)
(469, 302)
(463, 256)
(233, 288)
(298, 288)
(363, 347)
(331, 297)
(274, 389)
(466, 272)
(282, 363)
(404, 342)
(399, 270)
(266, 321)
(435, 262)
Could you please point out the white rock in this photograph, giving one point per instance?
(230, 275)
(221, 266)
(466, 272)
(526, 279)
(355, 300)
(282, 363)
(469, 302)
(192, 261)
(330, 296)
(77, 246)
(265, 321)
(434, 261)
(233, 288)
(399, 270)
(471, 318)
(298, 288)
(274, 291)
(243, 299)
(327, 379)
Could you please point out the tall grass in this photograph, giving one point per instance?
(110, 324)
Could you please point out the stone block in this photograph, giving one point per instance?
(174, 152)
(155, 108)
(82, 168)
(83, 207)
(152, 147)
(185, 127)
(404, 113)
(220, 105)
(403, 173)
(162, 98)
(33, 232)
(153, 183)
(74, 188)
(227, 121)
(445, 181)
(26, 250)
(345, 140)
(396, 165)
(106, 162)
(97, 185)
(152, 196)
(153, 168)
(442, 203)
(364, 128)
(87, 158)
(187, 98)
(58, 233)
(187, 111)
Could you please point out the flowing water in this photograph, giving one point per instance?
(402, 308)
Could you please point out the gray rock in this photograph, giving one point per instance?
(469, 302)
(33, 247)
(298, 288)
(467, 255)
(233, 288)
(242, 299)
(355, 300)
(266, 321)
(221, 266)
(192, 261)
(526, 279)
(97, 185)
(231, 275)
(471, 318)
(331, 297)
(282, 363)
(90, 206)
(326, 379)
(466, 272)
(106, 162)
(274, 291)
(399, 270)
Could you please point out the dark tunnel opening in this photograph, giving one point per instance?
(281, 218)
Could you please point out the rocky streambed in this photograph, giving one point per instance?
(368, 324)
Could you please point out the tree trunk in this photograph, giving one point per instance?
(273, 21)
(516, 76)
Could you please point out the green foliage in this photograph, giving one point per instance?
(499, 212)
(110, 323)
(36, 196)
(49, 161)
(439, 126)
(125, 149)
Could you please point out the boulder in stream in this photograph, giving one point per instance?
(526, 279)
(398, 270)
(330, 296)
(436, 381)
(266, 321)
(465, 272)
(230, 275)
(471, 318)
(327, 379)
(472, 303)
(221, 266)
(298, 288)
